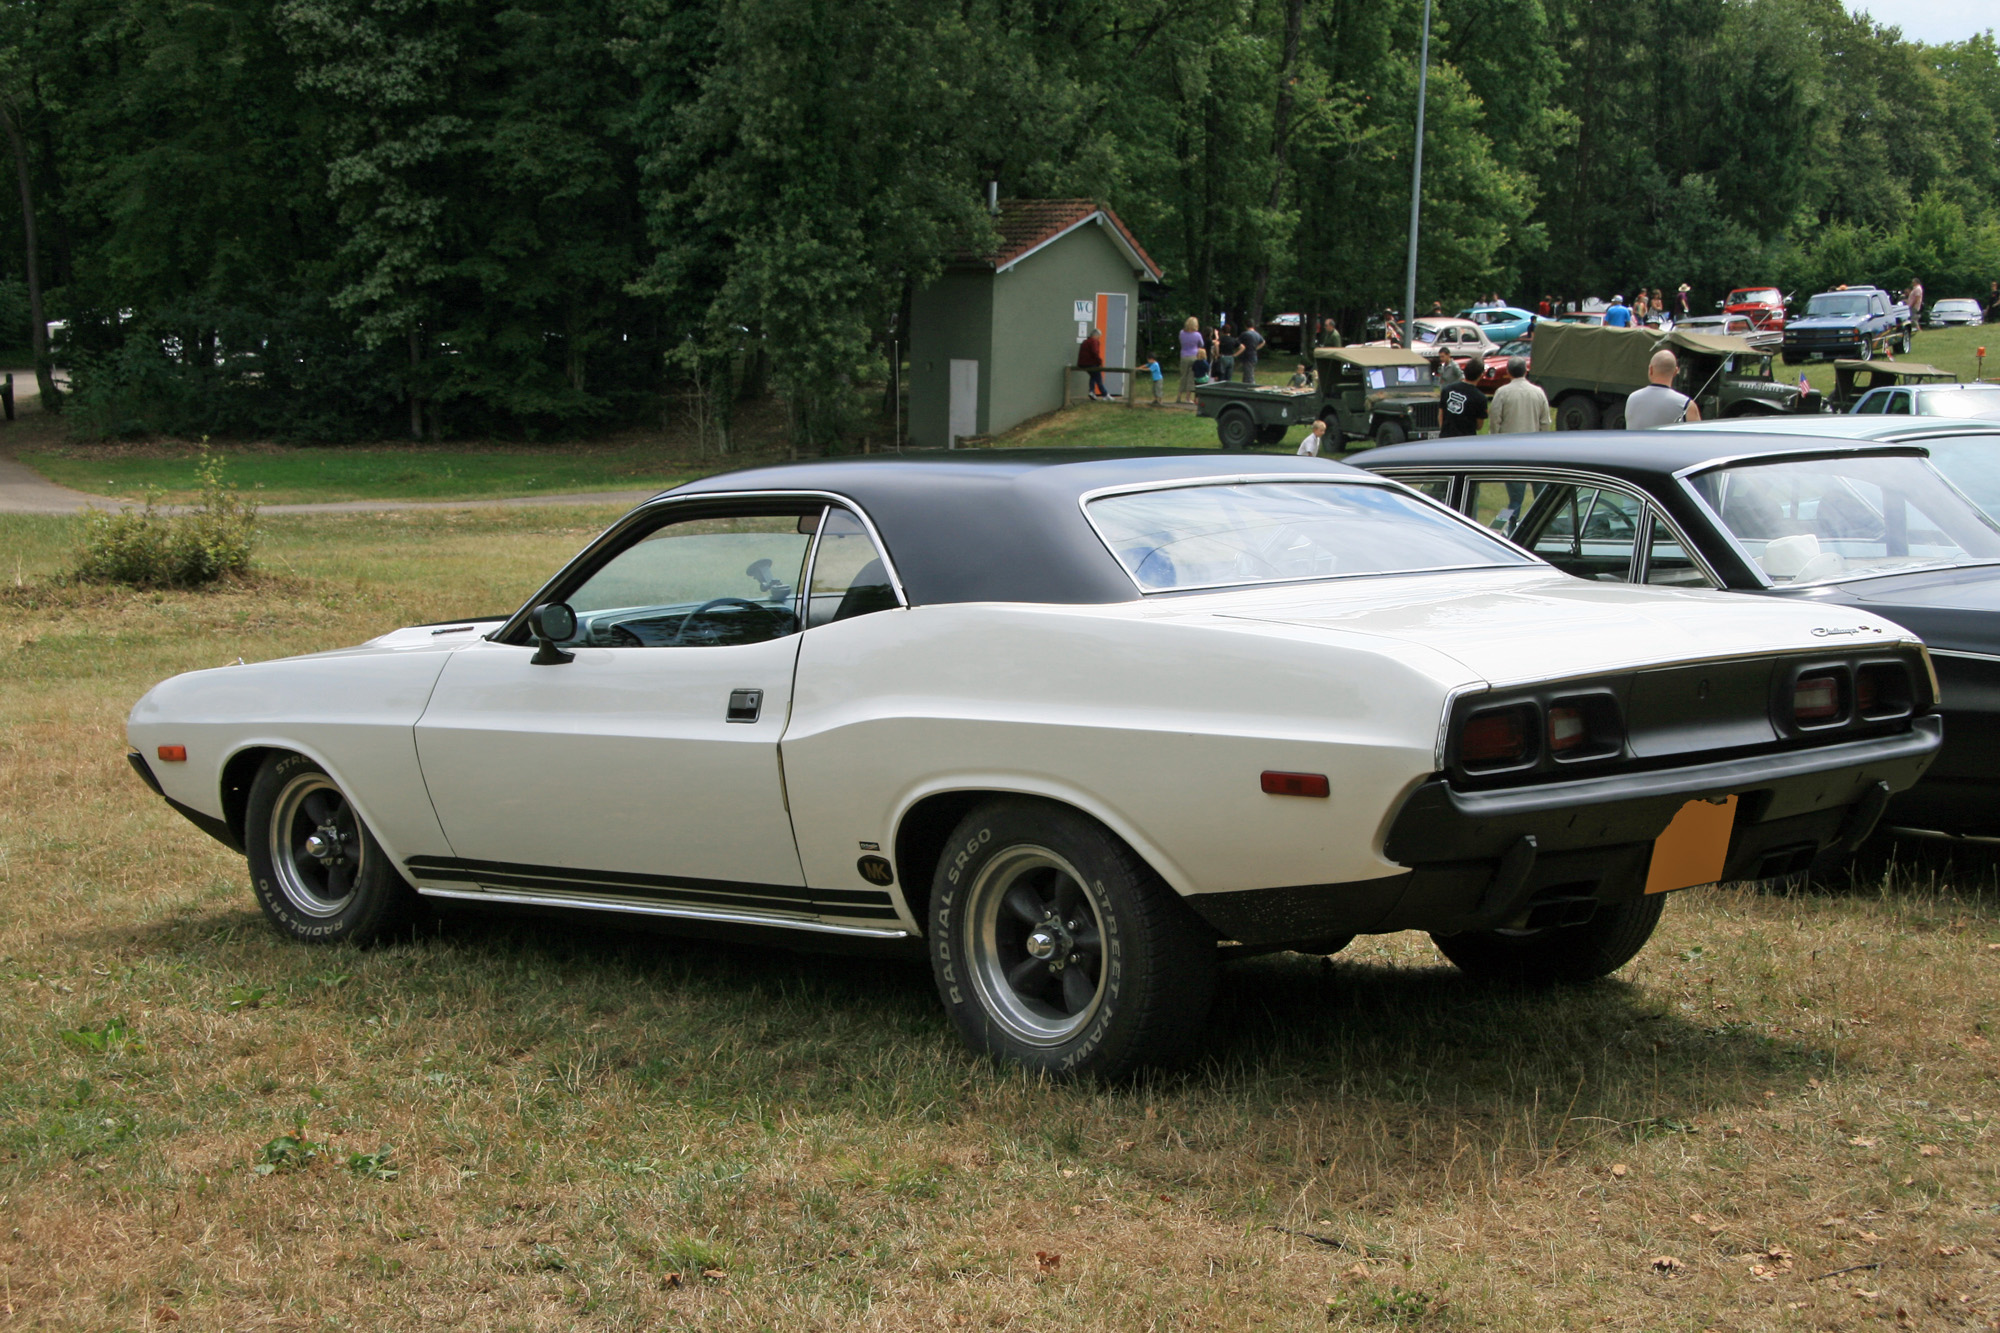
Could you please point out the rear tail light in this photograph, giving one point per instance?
(1816, 700)
(1501, 738)
(1882, 690)
(1568, 731)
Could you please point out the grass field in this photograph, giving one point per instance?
(508, 1124)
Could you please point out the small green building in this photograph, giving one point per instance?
(989, 338)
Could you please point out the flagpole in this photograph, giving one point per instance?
(1417, 185)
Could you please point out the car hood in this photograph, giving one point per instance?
(1511, 627)
(1826, 321)
(1950, 609)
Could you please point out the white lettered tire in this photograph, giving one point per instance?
(318, 872)
(1056, 948)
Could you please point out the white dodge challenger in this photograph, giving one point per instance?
(1072, 725)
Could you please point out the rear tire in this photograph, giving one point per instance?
(1577, 412)
(1909, 342)
(318, 872)
(1388, 434)
(1234, 429)
(1056, 948)
(1597, 948)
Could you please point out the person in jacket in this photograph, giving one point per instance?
(1090, 360)
(1519, 405)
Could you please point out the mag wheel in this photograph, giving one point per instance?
(1596, 948)
(319, 874)
(1054, 947)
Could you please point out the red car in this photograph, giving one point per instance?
(1492, 372)
(1765, 307)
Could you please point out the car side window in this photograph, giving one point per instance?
(849, 578)
(1437, 488)
(1872, 403)
(702, 582)
(1899, 404)
(1501, 504)
(1587, 531)
(1668, 562)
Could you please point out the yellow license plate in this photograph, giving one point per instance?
(1693, 848)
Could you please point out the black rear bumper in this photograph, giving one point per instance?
(1480, 859)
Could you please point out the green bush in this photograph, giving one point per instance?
(150, 549)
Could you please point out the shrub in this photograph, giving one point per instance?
(150, 549)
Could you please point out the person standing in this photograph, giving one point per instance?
(1227, 345)
(1547, 308)
(1253, 343)
(1993, 302)
(1329, 336)
(1151, 366)
(1464, 408)
(1914, 298)
(1309, 447)
(1191, 349)
(1519, 405)
(1659, 403)
(1618, 315)
(1090, 360)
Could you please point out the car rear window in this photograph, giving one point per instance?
(1232, 535)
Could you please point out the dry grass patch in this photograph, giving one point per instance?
(513, 1123)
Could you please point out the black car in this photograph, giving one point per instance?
(1871, 526)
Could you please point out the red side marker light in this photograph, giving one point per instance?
(1816, 699)
(174, 754)
(1296, 784)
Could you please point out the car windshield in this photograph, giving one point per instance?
(1754, 296)
(1825, 520)
(1975, 403)
(1219, 536)
(1517, 347)
(1957, 307)
(1972, 462)
(1837, 303)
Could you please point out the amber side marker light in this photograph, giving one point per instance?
(1296, 784)
(174, 754)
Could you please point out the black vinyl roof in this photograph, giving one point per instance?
(1637, 455)
(1004, 525)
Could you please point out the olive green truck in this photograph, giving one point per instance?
(1379, 395)
(1587, 371)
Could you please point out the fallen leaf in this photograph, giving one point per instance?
(1929, 1150)
(1762, 1274)
(1666, 1263)
(1619, 1169)
(1778, 1254)
(166, 1315)
(1047, 1262)
(1859, 1142)
(712, 1275)
(1950, 1251)
(669, 1281)
(1813, 1083)
(1868, 1236)
(1697, 1217)
(1861, 1294)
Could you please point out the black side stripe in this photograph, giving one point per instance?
(869, 904)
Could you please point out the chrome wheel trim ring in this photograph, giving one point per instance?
(302, 877)
(991, 948)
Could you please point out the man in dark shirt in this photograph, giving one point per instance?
(1464, 408)
(1253, 343)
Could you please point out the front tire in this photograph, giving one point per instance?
(1056, 948)
(1389, 434)
(1597, 948)
(318, 872)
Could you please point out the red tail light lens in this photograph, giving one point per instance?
(1568, 729)
(1816, 699)
(1882, 691)
(1495, 739)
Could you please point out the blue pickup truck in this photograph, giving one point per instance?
(1851, 322)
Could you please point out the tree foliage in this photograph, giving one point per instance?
(339, 219)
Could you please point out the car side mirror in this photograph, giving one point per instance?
(550, 623)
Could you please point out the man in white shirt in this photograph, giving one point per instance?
(1518, 406)
(1309, 446)
(1659, 404)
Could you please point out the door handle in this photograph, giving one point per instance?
(745, 705)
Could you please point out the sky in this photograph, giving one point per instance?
(1931, 20)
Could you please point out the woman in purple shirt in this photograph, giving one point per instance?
(1191, 350)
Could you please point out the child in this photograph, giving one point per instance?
(1301, 380)
(1201, 370)
(1152, 366)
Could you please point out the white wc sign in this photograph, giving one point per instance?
(1086, 314)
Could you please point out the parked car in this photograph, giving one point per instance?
(1589, 372)
(1947, 313)
(1734, 326)
(1502, 323)
(1588, 317)
(1493, 371)
(1981, 401)
(1383, 395)
(1766, 508)
(1461, 339)
(1852, 379)
(1764, 307)
(1062, 724)
(1852, 322)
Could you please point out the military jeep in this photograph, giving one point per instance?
(1380, 395)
